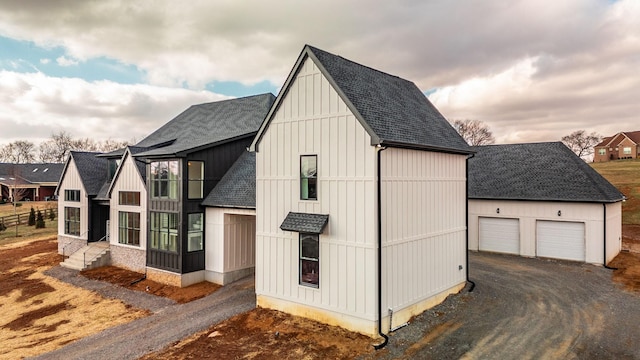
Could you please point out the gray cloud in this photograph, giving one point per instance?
(532, 70)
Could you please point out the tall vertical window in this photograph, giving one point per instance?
(164, 231)
(194, 232)
(129, 228)
(164, 179)
(72, 195)
(196, 178)
(129, 198)
(113, 167)
(310, 260)
(308, 177)
(72, 221)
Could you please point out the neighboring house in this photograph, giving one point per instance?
(354, 165)
(623, 145)
(81, 218)
(152, 193)
(541, 200)
(36, 182)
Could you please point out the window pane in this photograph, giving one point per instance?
(194, 236)
(308, 175)
(173, 170)
(309, 246)
(310, 272)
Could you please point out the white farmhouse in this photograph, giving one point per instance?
(360, 198)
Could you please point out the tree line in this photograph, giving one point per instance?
(477, 133)
(55, 149)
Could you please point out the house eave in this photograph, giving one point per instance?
(589, 201)
(402, 145)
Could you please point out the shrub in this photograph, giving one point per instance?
(52, 215)
(32, 217)
(3, 227)
(39, 220)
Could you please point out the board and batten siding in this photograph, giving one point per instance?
(529, 212)
(129, 179)
(72, 181)
(423, 226)
(313, 120)
(230, 248)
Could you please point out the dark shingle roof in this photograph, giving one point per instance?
(92, 170)
(392, 110)
(237, 188)
(537, 171)
(207, 124)
(305, 223)
(33, 173)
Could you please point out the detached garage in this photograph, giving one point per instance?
(541, 200)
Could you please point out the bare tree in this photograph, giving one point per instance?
(17, 193)
(18, 152)
(582, 143)
(56, 148)
(474, 132)
(111, 145)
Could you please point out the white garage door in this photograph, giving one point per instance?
(560, 240)
(499, 235)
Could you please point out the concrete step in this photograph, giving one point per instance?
(90, 256)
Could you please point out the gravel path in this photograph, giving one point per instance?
(134, 298)
(167, 325)
(526, 309)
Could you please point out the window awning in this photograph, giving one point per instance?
(305, 223)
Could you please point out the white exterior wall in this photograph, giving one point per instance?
(313, 119)
(230, 236)
(72, 181)
(123, 255)
(592, 215)
(614, 230)
(423, 227)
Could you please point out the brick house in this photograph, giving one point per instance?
(623, 145)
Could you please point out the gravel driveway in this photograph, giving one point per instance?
(168, 324)
(526, 309)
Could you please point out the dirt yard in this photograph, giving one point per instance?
(269, 334)
(39, 313)
(125, 278)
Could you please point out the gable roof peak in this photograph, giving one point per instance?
(392, 110)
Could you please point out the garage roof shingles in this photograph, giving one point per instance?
(536, 171)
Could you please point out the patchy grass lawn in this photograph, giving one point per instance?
(41, 314)
(625, 175)
(25, 207)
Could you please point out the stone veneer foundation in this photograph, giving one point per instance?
(128, 258)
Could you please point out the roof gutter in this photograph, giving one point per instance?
(385, 337)
(402, 145)
(466, 195)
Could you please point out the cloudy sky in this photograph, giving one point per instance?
(532, 70)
